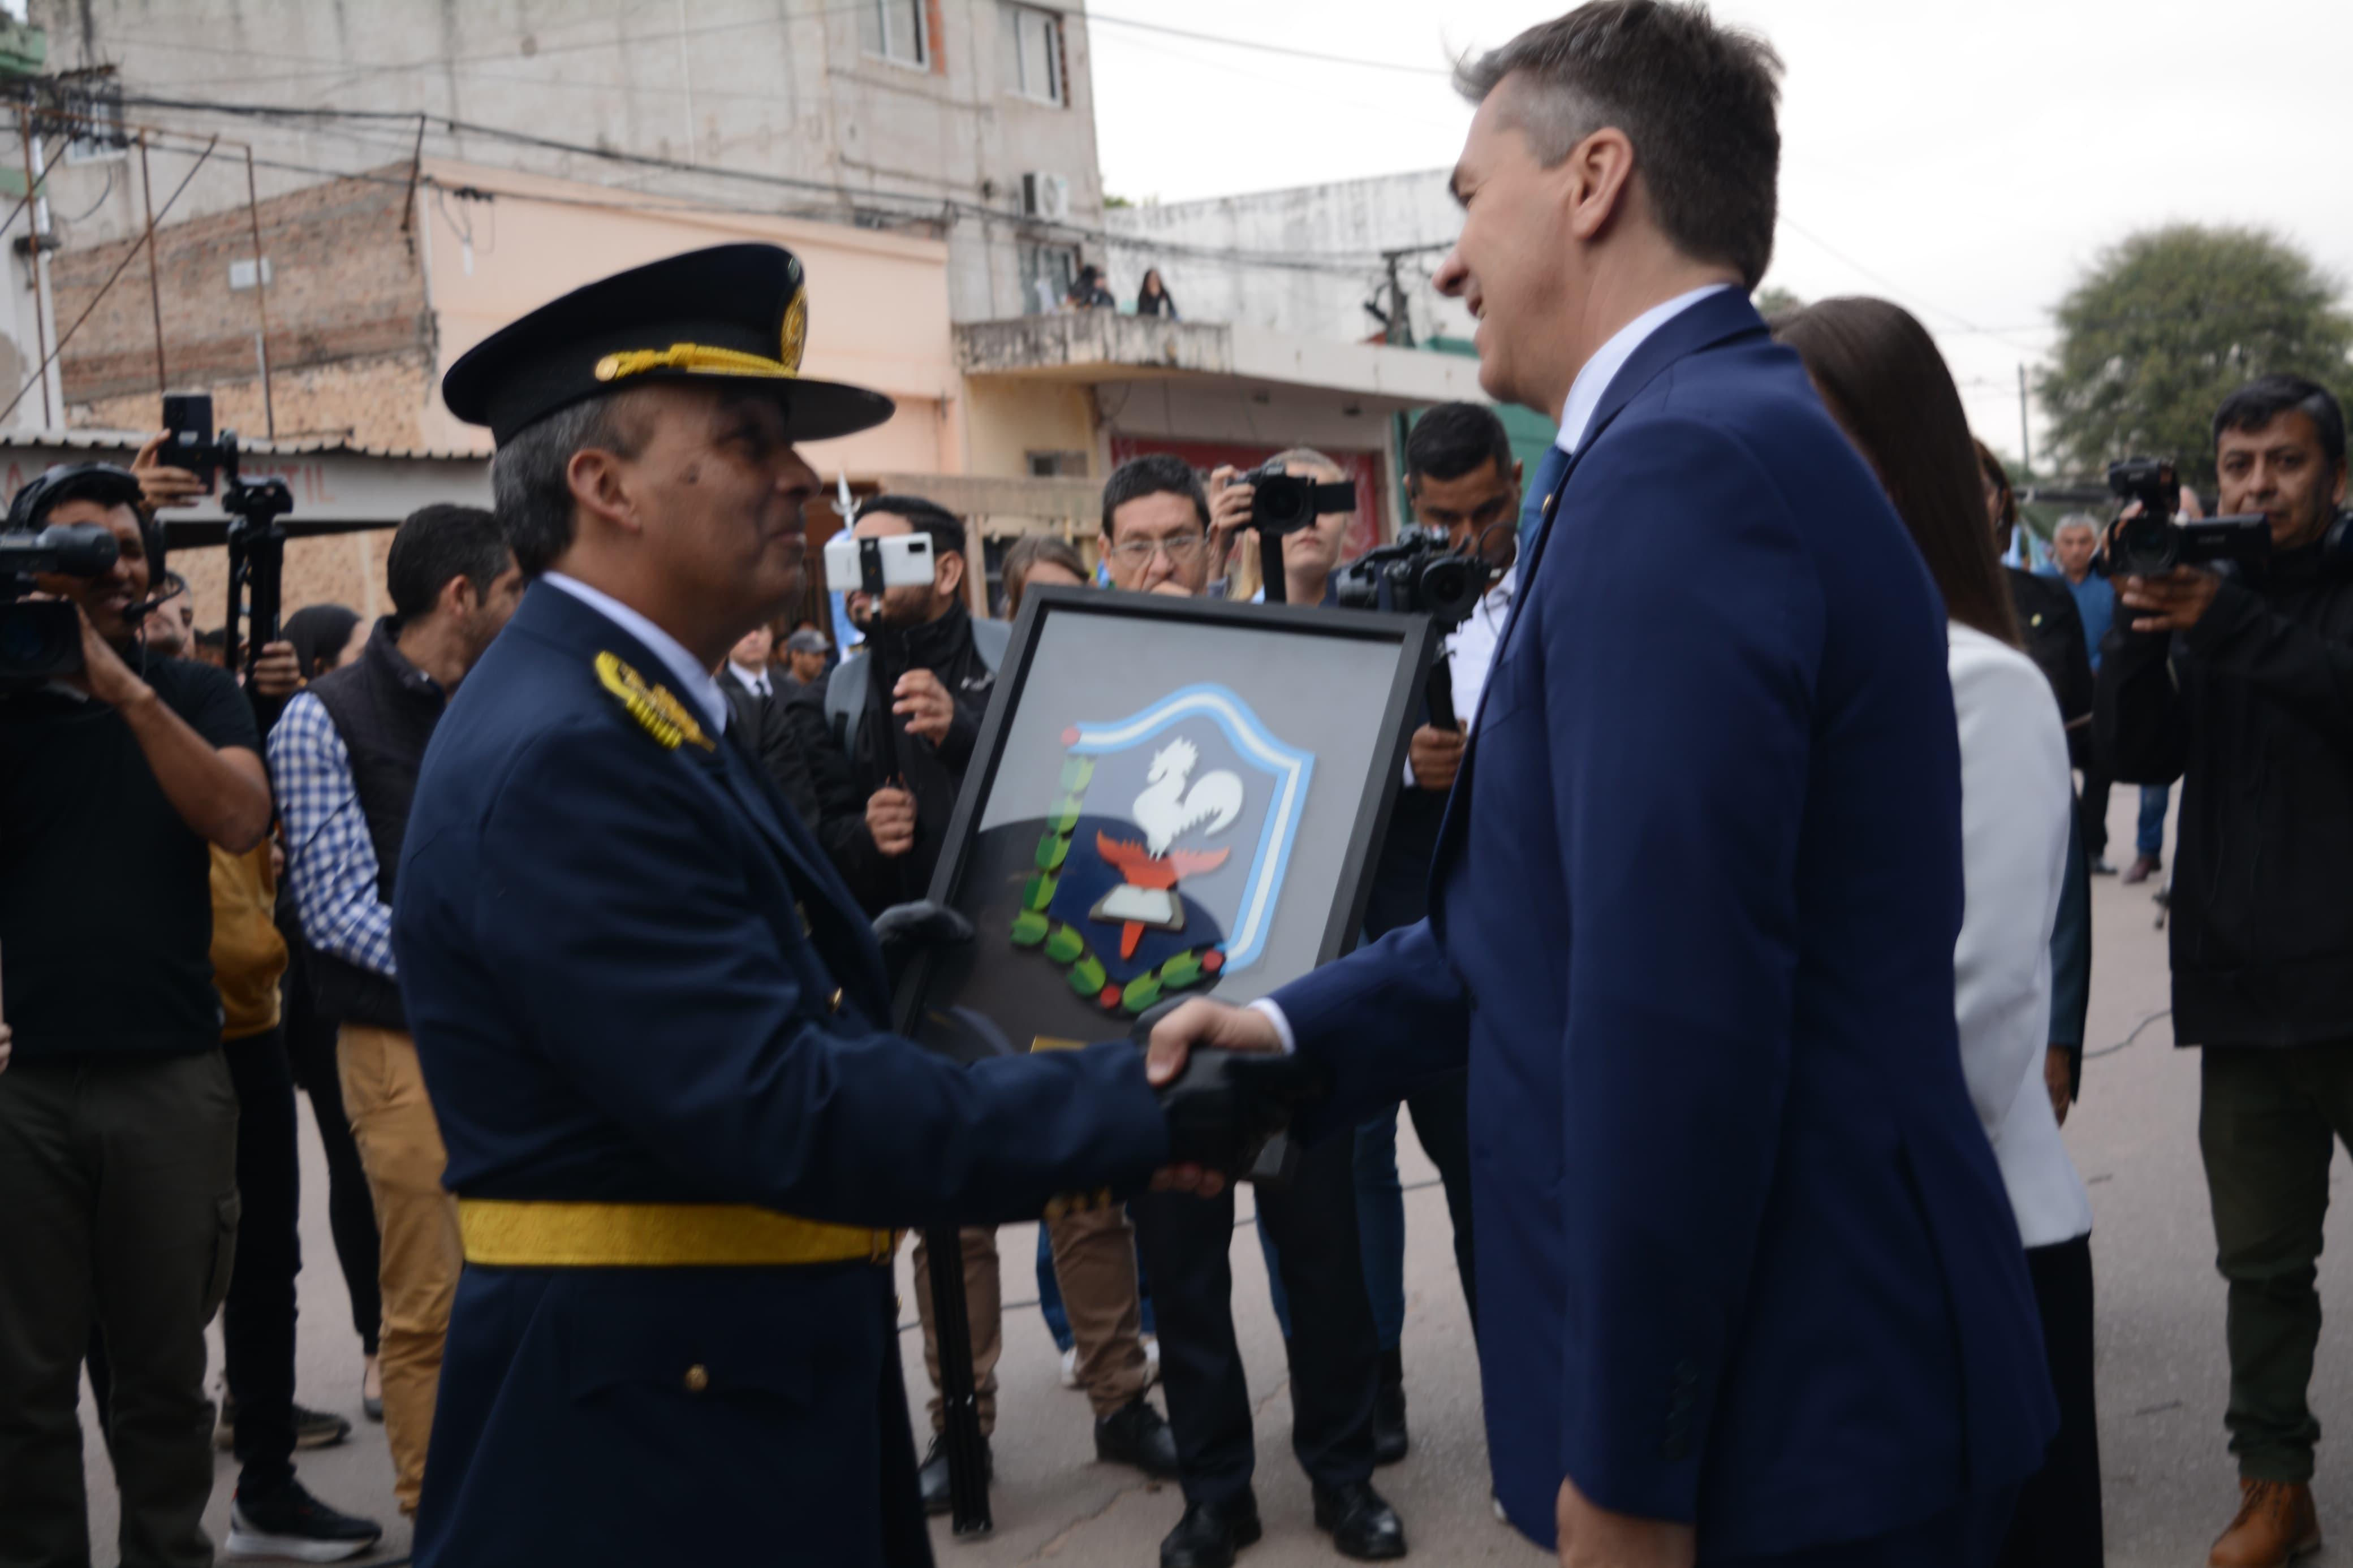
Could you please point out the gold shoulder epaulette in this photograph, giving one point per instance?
(665, 718)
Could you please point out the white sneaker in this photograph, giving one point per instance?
(1151, 1359)
(1070, 1367)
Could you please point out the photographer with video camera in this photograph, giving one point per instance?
(118, 1116)
(2239, 681)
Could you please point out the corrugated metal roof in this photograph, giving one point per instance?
(116, 440)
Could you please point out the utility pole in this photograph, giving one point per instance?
(1396, 330)
(2025, 443)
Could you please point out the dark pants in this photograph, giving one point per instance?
(1185, 1244)
(351, 1206)
(2057, 1524)
(2096, 783)
(1966, 1535)
(2267, 1122)
(1441, 1121)
(257, 1317)
(118, 1209)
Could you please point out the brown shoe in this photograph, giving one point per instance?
(2141, 870)
(2275, 1525)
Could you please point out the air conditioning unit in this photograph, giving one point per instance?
(1045, 196)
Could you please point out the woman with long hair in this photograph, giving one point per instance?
(1152, 296)
(1879, 375)
(1043, 559)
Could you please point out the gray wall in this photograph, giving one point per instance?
(784, 91)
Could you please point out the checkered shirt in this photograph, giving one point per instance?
(331, 860)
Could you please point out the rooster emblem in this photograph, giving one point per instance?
(1172, 804)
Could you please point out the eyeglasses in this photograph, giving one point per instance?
(1181, 550)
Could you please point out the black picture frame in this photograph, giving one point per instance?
(1408, 642)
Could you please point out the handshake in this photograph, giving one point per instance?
(1226, 1086)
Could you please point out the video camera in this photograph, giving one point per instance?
(257, 544)
(1420, 574)
(41, 641)
(2154, 541)
(1285, 503)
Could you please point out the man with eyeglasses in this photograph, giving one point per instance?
(1156, 525)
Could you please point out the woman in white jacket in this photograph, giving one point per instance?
(1883, 379)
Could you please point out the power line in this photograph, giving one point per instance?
(914, 208)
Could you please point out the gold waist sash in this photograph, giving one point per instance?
(508, 1233)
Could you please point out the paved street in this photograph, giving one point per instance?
(2162, 1378)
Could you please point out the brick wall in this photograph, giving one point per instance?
(345, 286)
(377, 402)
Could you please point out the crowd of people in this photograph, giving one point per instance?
(202, 913)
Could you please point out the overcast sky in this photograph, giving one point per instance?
(1967, 158)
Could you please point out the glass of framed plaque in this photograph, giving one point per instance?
(1169, 797)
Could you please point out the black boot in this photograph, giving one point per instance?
(1135, 1434)
(1210, 1533)
(932, 1478)
(1363, 1525)
(1389, 1439)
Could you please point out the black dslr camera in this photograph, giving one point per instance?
(41, 641)
(1285, 503)
(1419, 575)
(2156, 542)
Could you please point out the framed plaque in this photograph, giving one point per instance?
(1169, 797)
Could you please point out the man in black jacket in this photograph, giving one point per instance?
(906, 707)
(2242, 688)
(787, 732)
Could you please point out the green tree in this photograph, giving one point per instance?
(1773, 299)
(2169, 321)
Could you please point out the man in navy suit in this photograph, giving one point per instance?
(651, 1018)
(1749, 1290)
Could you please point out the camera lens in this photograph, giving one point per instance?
(1450, 587)
(2147, 545)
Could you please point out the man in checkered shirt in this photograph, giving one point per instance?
(344, 758)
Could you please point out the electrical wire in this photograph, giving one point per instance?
(104, 288)
(919, 209)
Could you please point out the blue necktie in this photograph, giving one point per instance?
(1549, 474)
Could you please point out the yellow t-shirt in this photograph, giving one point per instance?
(248, 955)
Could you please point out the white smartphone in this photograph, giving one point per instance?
(854, 565)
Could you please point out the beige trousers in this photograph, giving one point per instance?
(400, 1149)
(1094, 1262)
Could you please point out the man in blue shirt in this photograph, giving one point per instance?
(2074, 542)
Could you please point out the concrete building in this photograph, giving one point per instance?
(1335, 238)
(970, 120)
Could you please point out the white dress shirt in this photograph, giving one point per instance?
(2016, 792)
(1585, 393)
(694, 682)
(757, 680)
(1471, 654)
(1575, 416)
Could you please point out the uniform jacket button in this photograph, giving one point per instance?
(698, 1378)
(833, 1002)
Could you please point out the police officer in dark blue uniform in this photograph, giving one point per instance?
(651, 1018)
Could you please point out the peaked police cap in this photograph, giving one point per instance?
(734, 316)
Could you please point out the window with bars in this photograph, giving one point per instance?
(1033, 53)
(895, 29)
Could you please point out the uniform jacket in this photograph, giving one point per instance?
(633, 978)
(1743, 1255)
(2252, 709)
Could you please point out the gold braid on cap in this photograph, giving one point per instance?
(695, 357)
